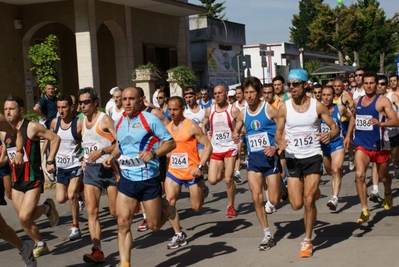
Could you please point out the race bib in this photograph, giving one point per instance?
(304, 140)
(12, 151)
(222, 136)
(324, 128)
(89, 147)
(363, 123)
(126, 163)
(258, 141)
(64, 160)
(179, 160)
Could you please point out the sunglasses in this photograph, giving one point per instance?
(294, 84)
(383, 84)
(314, 92)
(160, 97)
(86, 102)
(357, 75)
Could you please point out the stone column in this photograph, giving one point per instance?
(86, 44)
(146, 81)
(175, 88)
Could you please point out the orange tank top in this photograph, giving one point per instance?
(185, 156)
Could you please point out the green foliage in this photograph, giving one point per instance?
(299, 32)
(214, 10)
(183, 76)
(30, 115)
(310, 66)
(359, 29)
(44, 57)
(152, 68)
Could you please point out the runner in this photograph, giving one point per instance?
(68, 159)
(221, 118)
(240, 104)
(98, 139)
(185, 165)
(334, 152)
(139, 136)
(300, 120)
(115, 112)
(263, 161)
(373, 114)
(28, 181)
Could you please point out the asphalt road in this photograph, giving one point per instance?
(215, 240)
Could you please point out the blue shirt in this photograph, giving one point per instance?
(260, 130)
(49, 108)
(142, 133)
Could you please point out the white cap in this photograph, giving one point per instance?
(111, 92)
(232, 93)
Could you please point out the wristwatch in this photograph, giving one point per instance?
(200, 167)
(50, 162)
(102, 152)
(154, 154)
(275, 146)
(21, 150)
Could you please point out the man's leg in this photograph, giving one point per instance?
(295, 191)
(375, 194)
(215, 171)
(311, 185)
(112, 193)
(92, 197)
(228, 178)
(73, 196)
(383, 172)
(337, 160)
(362, 161)
(125, 207)
(172, 190)
(9, 235)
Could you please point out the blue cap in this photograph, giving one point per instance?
(298, 74)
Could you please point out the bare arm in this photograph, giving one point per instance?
(280, 124)
(206, 119)
(5, 126)
(239, 125)
(196, 131)
(159, 114)
(325, 115)
(38, 110)
(384, 105)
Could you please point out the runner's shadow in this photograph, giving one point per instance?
(190, 255)
(294, 229)
(215, 197)
(328, 235)
(220, 228)
(367, 228)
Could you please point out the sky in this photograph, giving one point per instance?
(268, 21)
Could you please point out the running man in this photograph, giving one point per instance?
(221, 118)
(185, 165)
(6, 232)
(299, 117)
(139, 137)
(373, 114)
(240, 105)
(28, 181)
(334, 151)
(98, 139)
(263, 161)
(68, 159)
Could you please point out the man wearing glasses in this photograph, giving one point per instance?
(205, 101)
(98, 140)
(299, 117)
(359, 91)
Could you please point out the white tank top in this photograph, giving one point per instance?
(115, 115)
(197, 118)
(392, 131)
(240, 107)
(95, 139)
(222, 126)
(301, 130)
(69, 153)
(358, 94)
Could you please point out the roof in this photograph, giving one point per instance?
(333, 69)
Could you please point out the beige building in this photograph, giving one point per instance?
(100, 41)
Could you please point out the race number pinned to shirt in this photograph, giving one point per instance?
(12, 152)
(324, 128)
(222, 135)
(363, 123)
(89, 147)
(304, 140)
(64, 160)
(126, 163)
(258, 141)
(179, 160)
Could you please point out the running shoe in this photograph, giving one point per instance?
(40, 250)
(364, 216)
(205, 191)
(27, 257)
(231, 212)
(284, 190)
(82, 205)
(52, 214)
(306, 249)
(75, 234)
(267, 243)
(143, 226)
(270, 208)
(317, 195)
(237, 177)
(351, 165)
(375, 197)
(333, 203)
(388, 201)
(96, 256)
(177, 241)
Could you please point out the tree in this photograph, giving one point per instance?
(214, 10)
(44, 57)
(299, 32)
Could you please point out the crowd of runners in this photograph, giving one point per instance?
(287, 133)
